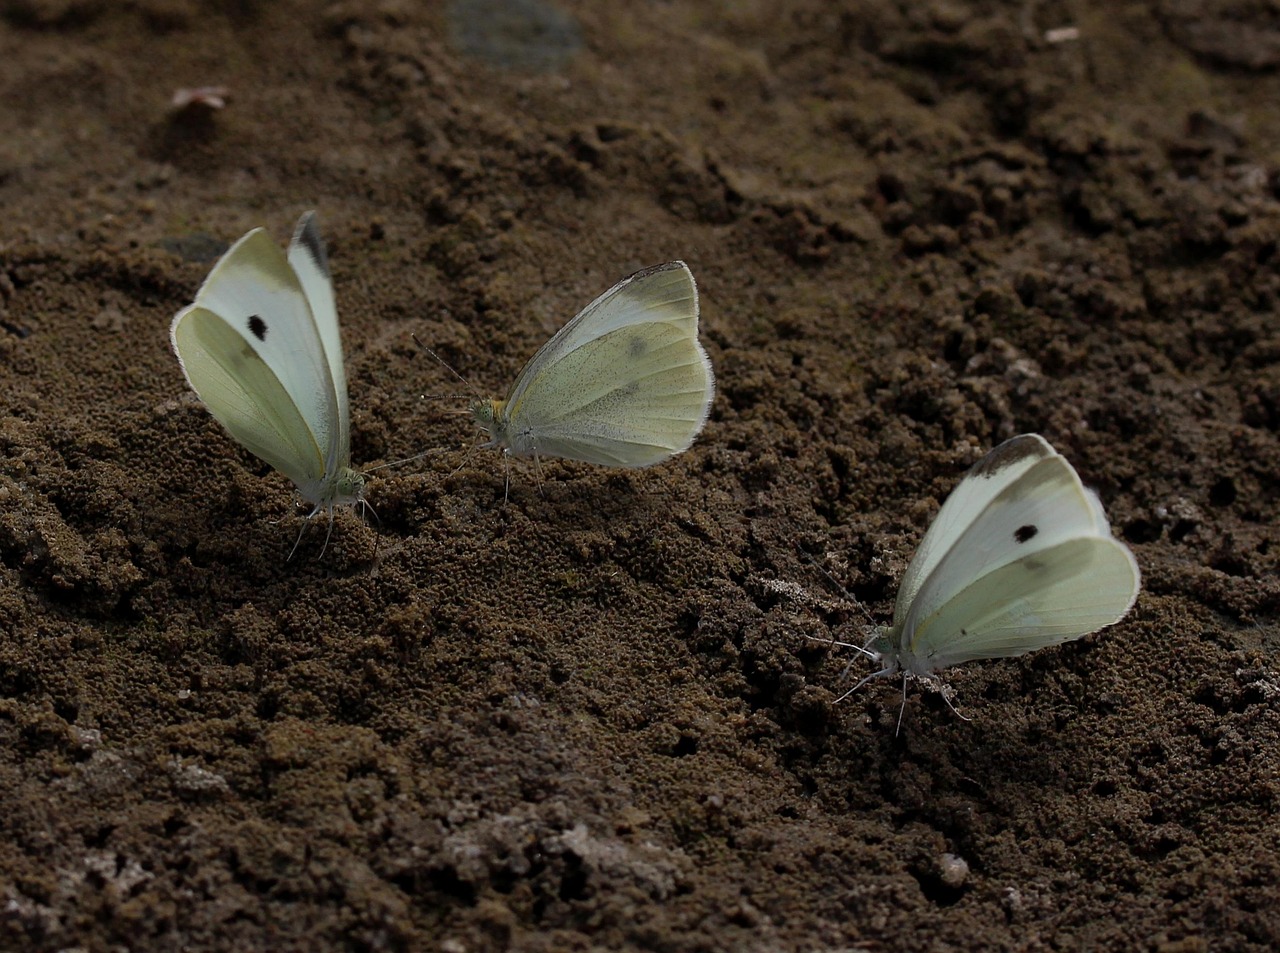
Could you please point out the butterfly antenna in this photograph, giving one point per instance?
(416, 456)
(446, 365)
(866, 614)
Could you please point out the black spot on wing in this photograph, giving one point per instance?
(636, 347)
(257, 327)
(1024, 533)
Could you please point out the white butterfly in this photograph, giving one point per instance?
(625, 383)
(1019, 557)
(261, 348)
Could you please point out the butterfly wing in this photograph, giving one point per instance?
(1062, 593)
(1020, 556)
(244, 394)
(981, 484)
(625, 383)
(310, 263)
(253, 352)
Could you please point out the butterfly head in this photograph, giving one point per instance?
(489, 417)
(482, 411)
(883, 646)
(344, 488)
(348, 488)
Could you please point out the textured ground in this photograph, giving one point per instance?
(601, 717)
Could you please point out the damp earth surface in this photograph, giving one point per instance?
(601, 714)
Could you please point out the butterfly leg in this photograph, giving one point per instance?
(377, 537)
(537, 472)
(327, 535)
(946, 692)
(305, 523)
(366, 508)
(466, 455)
(864, 650)
(903, 709)
(880, 674)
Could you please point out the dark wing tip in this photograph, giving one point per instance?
(307, 235)
(658, 269)
(666, 266)
(1012, 451)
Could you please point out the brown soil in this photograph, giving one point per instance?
(601, 716)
